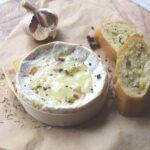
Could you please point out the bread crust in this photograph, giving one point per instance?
(130, 105)
(109, 50)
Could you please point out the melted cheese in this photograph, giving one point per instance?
(60, 81)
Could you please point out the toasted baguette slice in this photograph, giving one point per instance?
(133, 76)
(113, 34)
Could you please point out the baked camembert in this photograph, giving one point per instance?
(62, 76)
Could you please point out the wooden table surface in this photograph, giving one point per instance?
(11, 13)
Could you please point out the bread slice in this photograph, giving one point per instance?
(111, 35)
(133, 76)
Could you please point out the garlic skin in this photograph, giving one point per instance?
(41, 33)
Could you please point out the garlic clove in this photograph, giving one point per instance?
(30, 6)
(36, 30)
(33, 25)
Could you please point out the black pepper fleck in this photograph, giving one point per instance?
(61, 59)
(60, 70)
(66, 71)
(120, 40)
(44, 88)
(43, 99)
(25, 75)
(90, 64)
(90, 39)
(98, 76)
(109, 70)
(3, 74)
(128, 63)
(92, 28)
(94, 46)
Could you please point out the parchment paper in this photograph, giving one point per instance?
(107, 131)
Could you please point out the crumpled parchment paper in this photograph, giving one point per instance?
(106, 131)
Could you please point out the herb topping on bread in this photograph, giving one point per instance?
(133, 76)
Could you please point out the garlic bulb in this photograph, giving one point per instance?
(33, 28)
